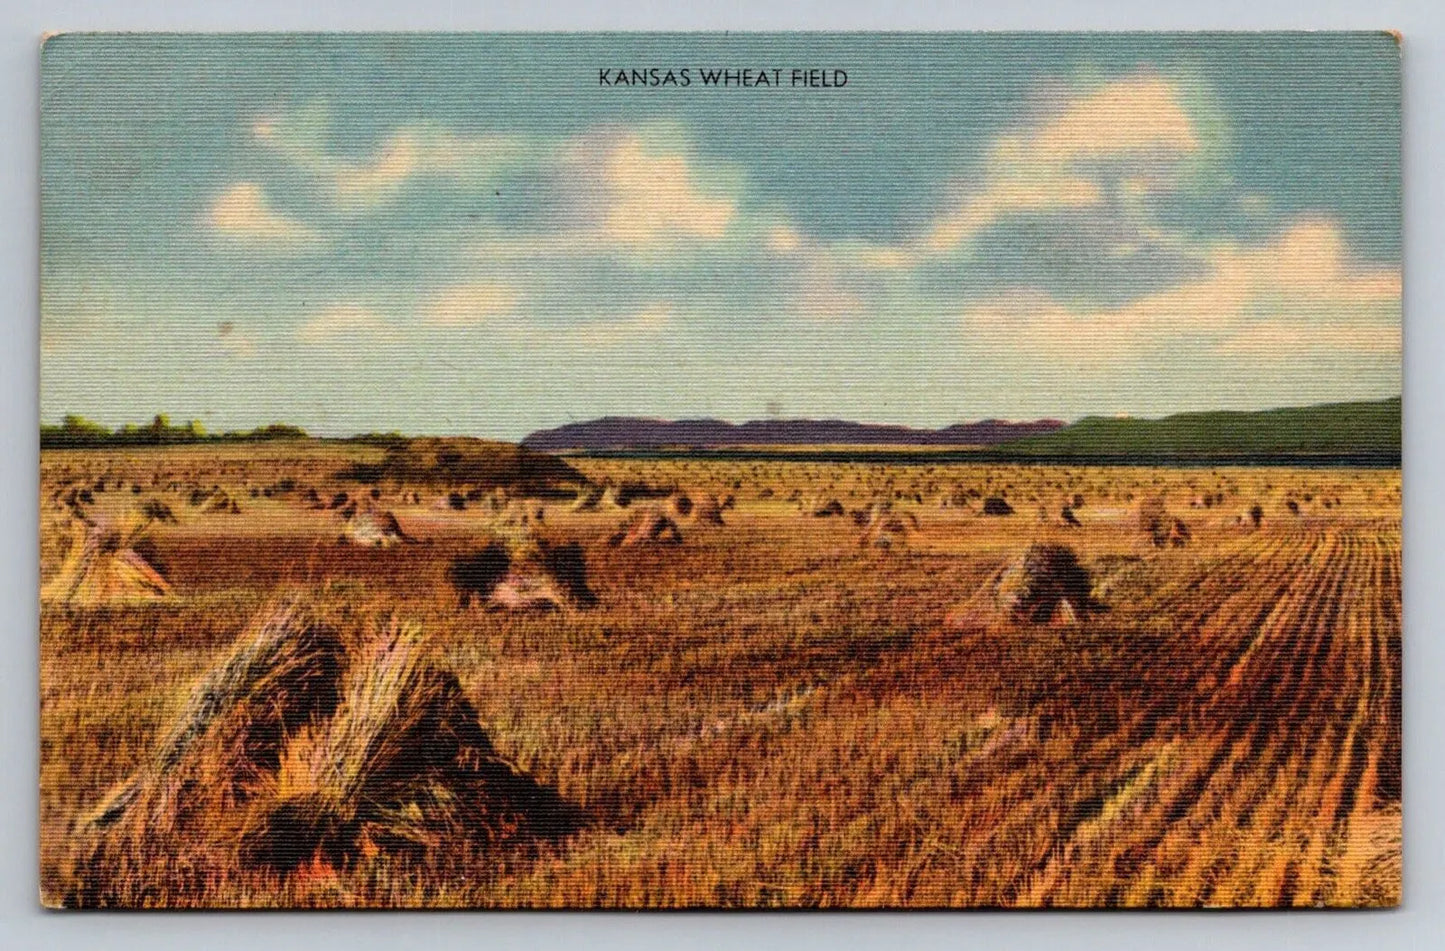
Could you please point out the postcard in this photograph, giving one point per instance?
(649, 471)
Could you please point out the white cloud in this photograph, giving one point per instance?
(1022, 188)
(651, 196)
(408, 153)
(620, 187)
(414, 152)
(345, 322)
(1298, 292)
(380, 178)
(243, 212)
(1310, 262)
(1136, 114)
(469, 304)
(1136, 128)
(784, 239)
(1119, 142)
(608, 191)
(491, 308)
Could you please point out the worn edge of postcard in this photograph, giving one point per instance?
(336, 662)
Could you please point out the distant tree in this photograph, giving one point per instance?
(77, 431)
(272, 431)
(73, 423)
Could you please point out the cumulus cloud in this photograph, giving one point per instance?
(784, 239)
(468, 304)
(345, 322)
(1022, 188)
(1298, 292)
(1058, 204)
(615, 190)
(652, 196)
(244, 212)
(406, 154)
(614, 186)
(476, 161)
(492, 308)
(1138, 114)
(1112, 146)
(1308, 261)
(1049, 248)
(1131, 135)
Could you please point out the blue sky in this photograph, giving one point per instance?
(467, 234)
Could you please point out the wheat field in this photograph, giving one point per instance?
(777, 711)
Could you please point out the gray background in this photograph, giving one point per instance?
(1419, 923)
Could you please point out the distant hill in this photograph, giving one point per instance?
(458, 461)
(627, 432)
(1326, 429)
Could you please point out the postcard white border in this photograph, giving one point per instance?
(1420, 923)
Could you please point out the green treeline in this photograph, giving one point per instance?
(77, 432)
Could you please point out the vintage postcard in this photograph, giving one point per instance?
(720, 471)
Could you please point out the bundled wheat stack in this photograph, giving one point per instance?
(451, 501)
(875, 510)
(708, 510)
(1047, 584)
(302, 749)
(232, 727)
(589, 497)
(997, 505)
(106, 565)
(648, 527)
(520, 573)
(886, 529)
(222, 503)
(157, 511)
(517, 513)
(1161, 528)
(372, 529)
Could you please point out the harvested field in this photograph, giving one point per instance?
(767, 712)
